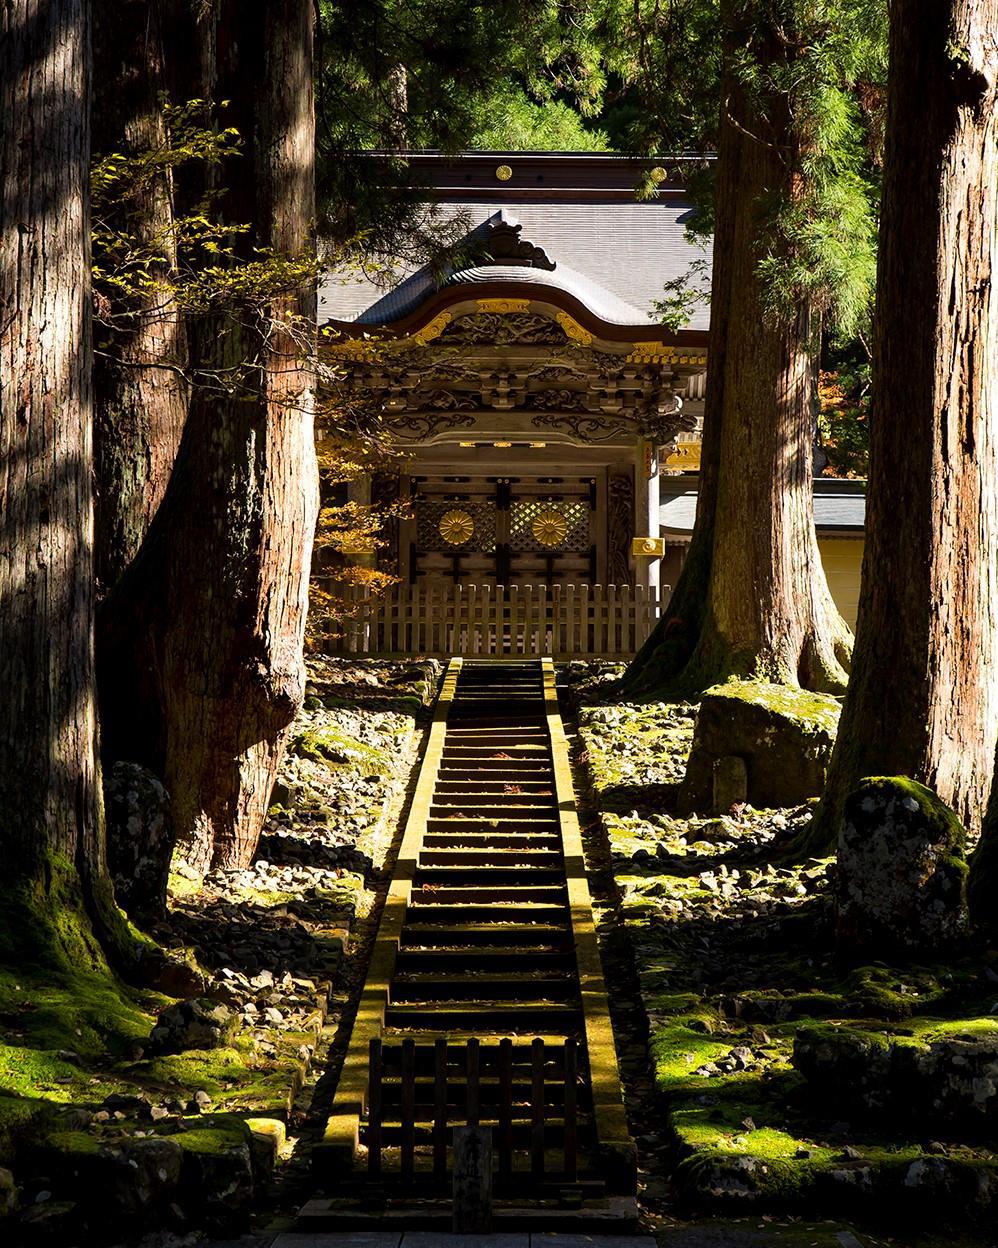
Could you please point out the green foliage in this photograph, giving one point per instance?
(197, 263)
(805, 69)
(684, 296)
(511, 121)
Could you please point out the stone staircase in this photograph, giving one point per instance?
(485, 1004)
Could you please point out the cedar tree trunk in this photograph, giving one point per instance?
(207, 647)
(51, 817)
(140, 399)
(923, 698)
(752, 599)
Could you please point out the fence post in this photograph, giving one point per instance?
(472, 1180)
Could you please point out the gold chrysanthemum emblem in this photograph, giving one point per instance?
(456, 527)
(550, 527)
(504, 173)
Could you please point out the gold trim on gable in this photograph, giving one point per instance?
(660, 353)
(573, 329)
(504, 305)
(432, 329)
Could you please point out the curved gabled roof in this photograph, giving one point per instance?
(612, 255)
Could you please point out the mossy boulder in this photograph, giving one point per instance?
(784, 737)
(942, 1079)
(197, 1024)
(8, 1193)
(901, 883)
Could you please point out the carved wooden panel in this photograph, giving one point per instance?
(620, 523)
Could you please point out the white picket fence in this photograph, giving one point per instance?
(563, 621)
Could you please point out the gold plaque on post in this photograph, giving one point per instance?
(650, 547)
(504, 173)
(456, 527)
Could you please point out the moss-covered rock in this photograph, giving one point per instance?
(197, 1024)
(902, 875)
(942, 1077)
(783, 735)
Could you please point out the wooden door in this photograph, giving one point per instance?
(503, 530)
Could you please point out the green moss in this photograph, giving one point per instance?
(946, 823)
(213, 1134)
(180, 886)
(333, 747)
(57, 991)
(22, 1120)
(818, 712)
(886, 992)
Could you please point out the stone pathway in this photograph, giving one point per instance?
(437, 1239)
(706, 1236)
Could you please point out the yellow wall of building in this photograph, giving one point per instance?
(842, 559)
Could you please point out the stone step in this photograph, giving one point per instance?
(441, 987)
(486, 1017)
(470, 855)
(482, 912)
(541, 828)
(473, 893)
(427, 933)
(486, 958)
(489, 877)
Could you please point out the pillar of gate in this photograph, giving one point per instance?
(647, 546)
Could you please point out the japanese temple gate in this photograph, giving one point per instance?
(534, 400)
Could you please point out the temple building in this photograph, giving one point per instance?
(547, 423)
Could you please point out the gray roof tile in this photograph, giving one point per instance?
(617, 254)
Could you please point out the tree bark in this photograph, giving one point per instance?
(752, 599)
(208, 646)
(140, 396)
(51, 816)
(923, 698)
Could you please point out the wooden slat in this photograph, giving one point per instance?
(440, 1110)
(570, 1112)
(537, 1109)
(570, 610)
(374, 1111)
(611, 619)
(505, 1113)
(599, 619)
(626, 618)
(408, 1114)
(584, 642)
(498, 606)
(474, 1088)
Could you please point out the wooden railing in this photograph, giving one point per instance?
(435, 1092)
(562, 621)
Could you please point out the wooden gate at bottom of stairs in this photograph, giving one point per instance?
(484, 1005)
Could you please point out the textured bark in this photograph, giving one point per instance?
(923, 698)
(140, 398)
(752, 599)
(208, 644)
(50, 803)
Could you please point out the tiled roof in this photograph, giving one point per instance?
(617, 256)
(839, 505)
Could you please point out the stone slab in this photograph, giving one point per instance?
(545, 1240)
(439, 1239)
(339, 1239)
(442, 1239)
